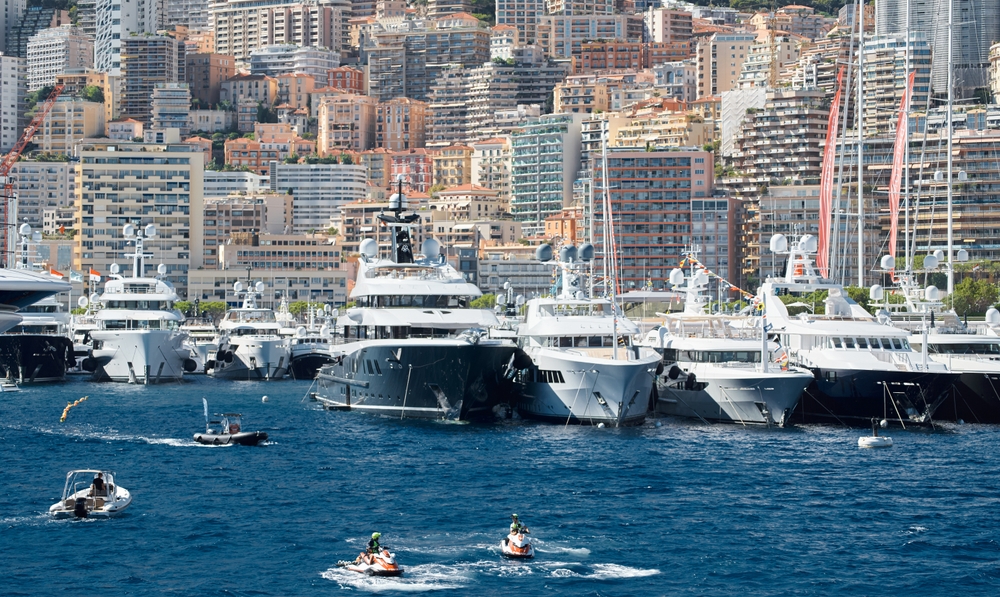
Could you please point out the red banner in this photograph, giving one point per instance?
(898, 155)
(826, 182)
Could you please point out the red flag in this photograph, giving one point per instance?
(895, 178)
(94, 272)
(54, 272)
(62, 230)
(826, 181)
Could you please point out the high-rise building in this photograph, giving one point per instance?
(667, 25)
(580, 7)
(191, 13)
(10, 16)
(522, 14)
(114, 183)
(720, 60)
(318, 191)
(205, 74)
(117, 21)
(287, 59)
(400, 124)
(172, 108)
(491, 165)
(70, 121)
(346, 122)
(34, 19)
(73, 82)
(653, 195)
(546, 158)
(885, 78)
(442, 8)
(561, 37)
(13, 89)
(40, 186)
(55, 51)
(146, 61)
(242, 26)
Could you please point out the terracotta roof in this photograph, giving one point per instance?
(464, 188)
(493, 141)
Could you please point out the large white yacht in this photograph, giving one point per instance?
(583, 367)
(723, 370)
(138, 337)
(863, 368)
(972, 350)
(20, 288)
(250, 345)
(203, 340)
(413, 345)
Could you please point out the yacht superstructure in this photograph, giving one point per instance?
(250, 344)
(138, 337)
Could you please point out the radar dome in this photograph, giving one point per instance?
(992, 316)
(543, 253)
(431, 248)
(300, 331)
(150, 230)
(259, 286)
(888, 262)
(676, 277)
(82, 301)
(238, 286)
(962, 255)
(114, 268)
(932, 293)
(779, 244)
(809, 244)
(368, 248)
(128, 230)
(161, 269)
(876, 292)
(397, 201)
(586, 252)
(940, 255)
(700, 278)
(930, 262)
(567, 253)
(25, 229)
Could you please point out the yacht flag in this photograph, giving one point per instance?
(826, 181)
(896, 178)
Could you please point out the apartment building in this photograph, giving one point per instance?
(285, 59)
(146, 62)
(242, 26)
(452, 166)
(608, 55)
(561, 37)
(13, 89)
(30, 22)
(114, 26)
(885, 78)
(205, 74)
(318, 191)
(171, 108)
(41, 186)
(258, 155)
(261, 89)
(667, 25)
(346, 122)
(73, 82)
(70, 120)
(51, 52)
(524, 16)
(491, 166)
(120, 183)
(414, 167)
(720, 59)
(400, 124)
(346, 78)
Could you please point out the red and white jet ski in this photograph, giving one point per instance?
(380, 564)
(516, 545)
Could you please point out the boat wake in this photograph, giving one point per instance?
(542, 547)
(416, 579)
(119, 437)
(24, 521)
(597, 571)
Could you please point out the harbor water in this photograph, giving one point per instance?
(677, 508)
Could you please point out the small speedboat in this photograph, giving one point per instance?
(382, 564)
(226, 429)
(91, 493)
(517, 545)
(874, 440)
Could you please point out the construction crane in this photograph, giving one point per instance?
(8, 203)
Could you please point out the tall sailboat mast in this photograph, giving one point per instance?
(861, 163)
(907, 266)
(951, 75)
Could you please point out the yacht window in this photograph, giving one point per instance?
(594, 341)
(550, 376)
(670, 355)
(862, 343)
(565, 342)
(906, 344)
(896, 344)
(886, 344)
(873, 343)
(581, 342)
(377, 368)
(848, 342)
(837, 343)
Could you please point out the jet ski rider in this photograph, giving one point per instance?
(516, 528)
(373, 548)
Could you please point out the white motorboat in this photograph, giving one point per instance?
(138, 337)
(413, 345)
(723, 370)
(583, 366)
(20, 288)
(863, 368)
(202, 340)
(91, 493)
(250, 344)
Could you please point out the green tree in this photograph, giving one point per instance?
(183, 306)
(974, 297)
(215, 309)
(487, 301)
(858, 295)
(92, 93)
(293, 158)
(38, 95)
(302, 307)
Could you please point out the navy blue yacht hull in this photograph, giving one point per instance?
(852, 397)
(28, 358)
(437, 379)
(976, 399)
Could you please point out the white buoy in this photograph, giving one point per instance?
(961, 421)
(600, 425)
(884, 424)
(659, 424)
(264, 399)
(875, 440)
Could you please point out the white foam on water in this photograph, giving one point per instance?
(33, 520)
(580, 552)
(416, 579)
(120, 437)
(605, 572)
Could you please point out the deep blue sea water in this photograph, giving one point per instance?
(680, 509)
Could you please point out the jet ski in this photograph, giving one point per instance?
(517, 545)
(383, 564)
(227, 429)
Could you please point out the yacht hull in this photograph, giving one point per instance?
(307, 366)
(976, 399)
(253, 358)
(854, 397)
(138, 356)
(35, 358)
(592, 390)
(745, 397)
(432, 379)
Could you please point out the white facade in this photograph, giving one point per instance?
(41, 186)
(242, 26)
(13, 88)
(734, 109)
(193, 13)
(116, 20)
(222, 184)
(172, 107)
(318, 191)
(56, 51)
(288, 59)
(677, 79)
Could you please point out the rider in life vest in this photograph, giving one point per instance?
(373, 548)
(516, 527)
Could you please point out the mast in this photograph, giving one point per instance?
(840, 165)
(609, 244)
(861, 162)
(906, 148)
(951, 74)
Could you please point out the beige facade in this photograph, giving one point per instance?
(720, 59)
(468, 202)
(400, 124)
(110, 85)
(491, 163)
(346, 122)
(242, 26)
(41, 186)
(452, 166)
(121, 183)
(70, 121)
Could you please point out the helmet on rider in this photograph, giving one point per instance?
(514, 516)
(376, 535)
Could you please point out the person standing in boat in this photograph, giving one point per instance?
(98, 487)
